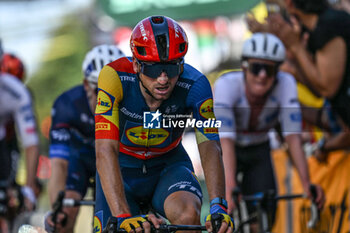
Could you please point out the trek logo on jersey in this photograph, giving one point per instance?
(104, 103)
(141, 136)
(102, 126)
(206, 109)
(151, 120)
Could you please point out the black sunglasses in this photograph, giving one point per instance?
(153, 70)
(255, 68)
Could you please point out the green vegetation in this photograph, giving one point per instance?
(60, 68)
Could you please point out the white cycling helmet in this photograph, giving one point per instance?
(98, 57)
(264, 46)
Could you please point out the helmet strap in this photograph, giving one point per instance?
(146, 90)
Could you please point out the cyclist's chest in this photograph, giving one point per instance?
(135, 117)
(256, 118)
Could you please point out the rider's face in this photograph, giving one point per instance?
(160, 87)
(260, 76)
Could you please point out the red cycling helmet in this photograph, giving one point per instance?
(13, 65)
(158, 39)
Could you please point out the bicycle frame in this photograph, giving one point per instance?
(262, 214)
(67, 202)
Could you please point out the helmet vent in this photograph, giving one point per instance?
(141, 51)
(157, 20)
(162, 47)
(275, 48)
(265, 43)
(253, 45)
(182, 47)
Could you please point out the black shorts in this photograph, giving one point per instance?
(9, 156)
(255, 165)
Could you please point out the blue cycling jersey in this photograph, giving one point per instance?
(73, 138)
(72, 132)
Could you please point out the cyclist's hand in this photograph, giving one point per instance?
(317, 195)
(29, 198)
(61, 221)
(137, 224)
(155, 221)
(218, 221)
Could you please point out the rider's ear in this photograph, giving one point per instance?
(135, 65)
(244, 64)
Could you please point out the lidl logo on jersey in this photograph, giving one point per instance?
(151, 120)
(104, 103)
(97, 222)
(206, 109)
(141, 136)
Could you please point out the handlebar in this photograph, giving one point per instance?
(264, 197)
(173, 228)
(165, 228)
(314, 210)
(66, 202)
(69, 202)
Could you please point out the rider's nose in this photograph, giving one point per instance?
(163, 78)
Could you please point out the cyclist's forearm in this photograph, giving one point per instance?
(107, 166)
(298, 157)
(229, 160)
(32, 158)
(57, 182)
(213, 168)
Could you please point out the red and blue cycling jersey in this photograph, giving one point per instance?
(121, 107)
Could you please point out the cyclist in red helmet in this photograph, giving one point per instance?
(11, 64)
(16, 108)
(144, 104)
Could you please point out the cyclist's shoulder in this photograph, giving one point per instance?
(193, 77)
(71, 94)
(229, 76)
(285, 80)
(14, 88)
(70, 103)
(123, 64)
(229, 82)
(117, 75)
(191, 72)
(11, 82)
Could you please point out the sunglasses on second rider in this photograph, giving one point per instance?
(256, 67)
(154, 69)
